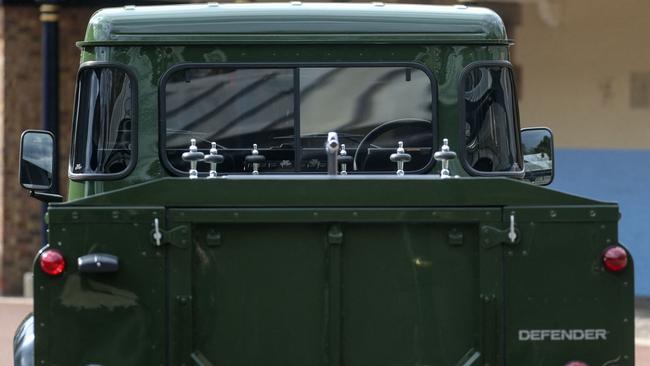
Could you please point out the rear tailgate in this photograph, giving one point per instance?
(299, 286)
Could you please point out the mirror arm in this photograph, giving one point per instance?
(46, 197)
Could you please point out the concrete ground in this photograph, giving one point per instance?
(14, 310)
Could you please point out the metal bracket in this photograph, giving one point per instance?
(177, 236)
(492, 236)
(335, 235)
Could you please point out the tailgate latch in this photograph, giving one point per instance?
(177, 236)
(492, 236)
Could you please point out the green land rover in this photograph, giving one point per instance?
(314, 184)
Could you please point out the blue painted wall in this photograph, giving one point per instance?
(622, 176)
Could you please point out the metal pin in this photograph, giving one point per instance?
(213, 165)
(256, 166)
(213, 158)
(444, 155)
(400, 164)
(193, 156)
(444, 173)
(400, 157)
(344, 166)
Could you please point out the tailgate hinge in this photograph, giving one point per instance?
(335, 235)
(492, 236)
(177, 236)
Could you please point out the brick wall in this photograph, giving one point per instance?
(20, 109)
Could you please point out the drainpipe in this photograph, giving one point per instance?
(49, 10)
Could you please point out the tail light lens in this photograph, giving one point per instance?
(576, 363)
(52, 262)
(615, 258)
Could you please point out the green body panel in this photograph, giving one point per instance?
(318, 270)
(304, 23)
(79, 314)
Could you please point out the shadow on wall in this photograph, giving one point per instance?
(621, 176)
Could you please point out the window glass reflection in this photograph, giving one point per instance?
(491, 120)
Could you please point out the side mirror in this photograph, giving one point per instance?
(36, 160)
(537, 148)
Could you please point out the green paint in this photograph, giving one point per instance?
(314, 270)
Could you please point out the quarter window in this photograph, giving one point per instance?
(103, 132)
(288, 112)
(491, 120)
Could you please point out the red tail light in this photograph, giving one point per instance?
(52, 262)
(615, 258)
(576, 363)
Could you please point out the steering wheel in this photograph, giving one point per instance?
(361, 155)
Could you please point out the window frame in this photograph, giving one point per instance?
(134, 123)
(462, 114)
(296, 66)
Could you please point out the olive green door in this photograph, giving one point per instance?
(304, 289)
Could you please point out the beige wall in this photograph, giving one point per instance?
(575, 75)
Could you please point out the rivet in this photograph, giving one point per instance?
(524, 253)
(592, 213)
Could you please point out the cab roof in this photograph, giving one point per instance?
(295, 22)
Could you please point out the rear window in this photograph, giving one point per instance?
(104, 123)
(288, 111)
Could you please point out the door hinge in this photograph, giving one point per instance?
(492, 236)
(177, 236)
